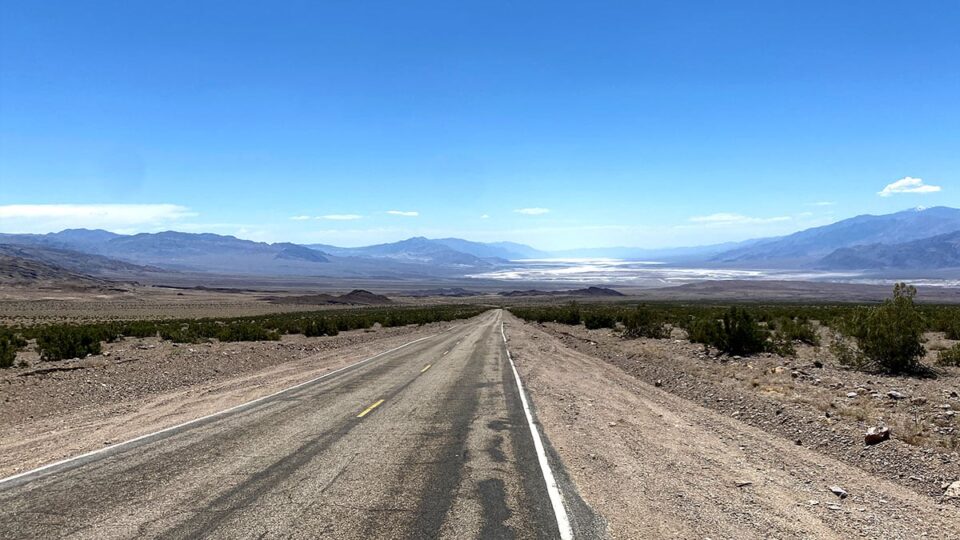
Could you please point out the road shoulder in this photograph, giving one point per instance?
(656, 465)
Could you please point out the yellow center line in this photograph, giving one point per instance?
(370, 408)
(425, 368)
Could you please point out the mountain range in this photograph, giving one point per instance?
(817, 247)
(917, 239)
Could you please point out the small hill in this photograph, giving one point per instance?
(21, 272)
(455, 292)
(589, 291)
(75, 262)
(357, 297)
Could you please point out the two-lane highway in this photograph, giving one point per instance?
(429, 440)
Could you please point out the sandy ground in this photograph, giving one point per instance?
(656, 465)
(140, 386)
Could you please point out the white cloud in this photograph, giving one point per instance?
(411, 213)
(300, 218)
(55, 217)
(823, 203)
(340, 217)
(726, 218)
(532, 211)
(485, 216)
(907, 185)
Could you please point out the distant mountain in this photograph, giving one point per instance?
(18, 271)
(75, 262)
(494, 250)
(941, 251)
(673, 255)
(206, 252)
(65, 239)
(173, 250)
(806, 248)
(420, 250)
(294, 252)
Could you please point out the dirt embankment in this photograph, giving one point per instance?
(53, 410)
(657, 465)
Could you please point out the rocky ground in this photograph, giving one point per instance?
(52, 410)
(711, 455)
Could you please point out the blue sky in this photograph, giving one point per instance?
(626, 123)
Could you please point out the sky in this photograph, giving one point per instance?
(561, 125)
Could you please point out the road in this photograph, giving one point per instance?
(427, 441)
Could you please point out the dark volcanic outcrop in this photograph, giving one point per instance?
(357, 297)
(589, 291)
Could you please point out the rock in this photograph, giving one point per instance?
(953, 491)
(744, 484)
(839, 492)
(851, 394)
(834, 507)
(658, 384)
(817, 364)
(918, 400)
(893, 394)
(876, 435)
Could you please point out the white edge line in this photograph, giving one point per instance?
(553, 490)
(119, 446)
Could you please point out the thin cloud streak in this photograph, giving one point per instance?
(726, 218)
(55, 217)
(532, 211)
(340, 217)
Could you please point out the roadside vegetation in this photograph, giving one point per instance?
(9, 344)
(64, 341)
(883, 338)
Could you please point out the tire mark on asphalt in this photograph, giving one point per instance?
(246, 493)
(439, 488)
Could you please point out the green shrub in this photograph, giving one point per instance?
(702, 330)
(62, 342)
(320, 327)
(10, 343)
(181, 333)
(737, 332)
(949, 357)
(246, 331)
(740, 333)
(791, 329)
(888, 336)
(644, 322)
(595, 320)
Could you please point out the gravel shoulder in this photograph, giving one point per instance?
(139, 386)
(657, 465)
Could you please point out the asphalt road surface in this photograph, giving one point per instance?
(427, 441)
